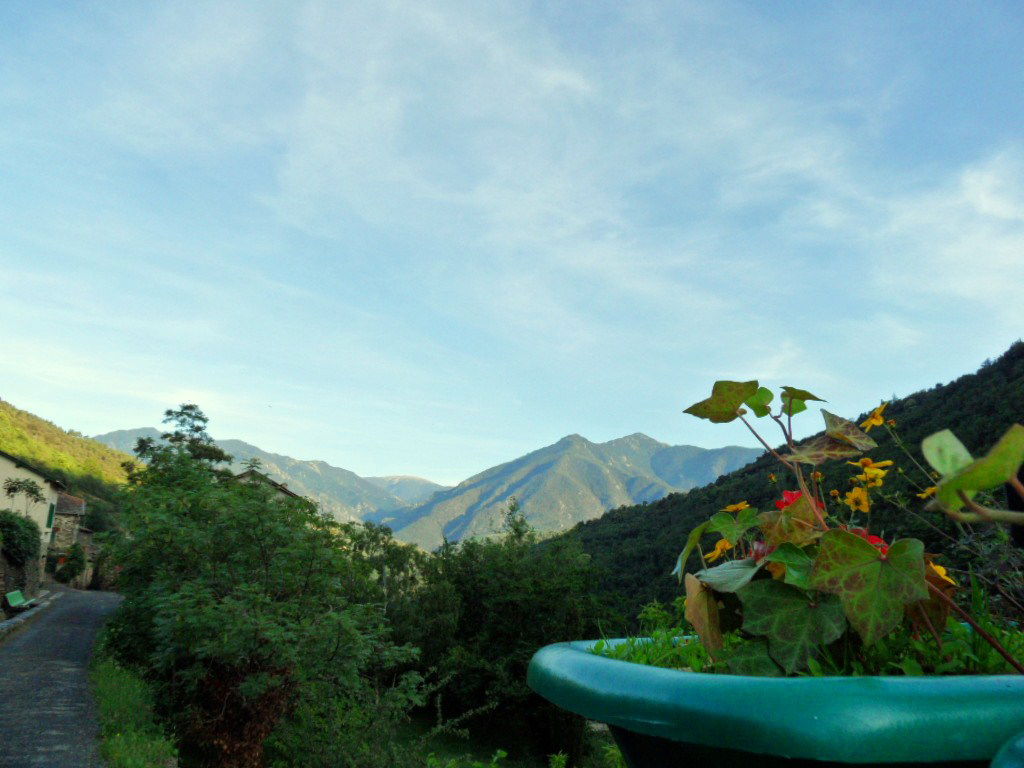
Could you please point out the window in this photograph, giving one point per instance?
(49, 517)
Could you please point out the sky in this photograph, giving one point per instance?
(427, 237)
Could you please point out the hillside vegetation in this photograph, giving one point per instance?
(88, 468)
(636, 546)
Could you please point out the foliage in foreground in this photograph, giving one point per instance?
(633, 547)
(807, 584)
(130, 735)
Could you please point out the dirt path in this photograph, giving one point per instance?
(47, 715)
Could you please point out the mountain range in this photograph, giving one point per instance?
(557, 486)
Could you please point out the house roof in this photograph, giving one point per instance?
(264, 478)
(70, 505)
(21, 463)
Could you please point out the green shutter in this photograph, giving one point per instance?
(49, 517)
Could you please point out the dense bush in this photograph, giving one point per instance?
(73, 565)
(247, 615)
(19, 537)
(485, 608)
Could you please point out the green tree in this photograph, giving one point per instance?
(30, 489)
(486, 607)
(242, 607)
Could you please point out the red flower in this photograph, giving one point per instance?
(876, 541)
(788, 497)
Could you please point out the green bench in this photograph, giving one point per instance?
(17, 602)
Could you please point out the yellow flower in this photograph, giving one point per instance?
(941, 573)
(927, 492)
(834, 493)
(872, 477)
(816, 476)
(720, 549)
(866, 462)
(771, 477)
(891, 422)
(858, 500)
(736, 507)
(875, 419)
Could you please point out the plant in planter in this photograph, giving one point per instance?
(805, 592)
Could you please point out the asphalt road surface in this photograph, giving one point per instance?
(47, 714)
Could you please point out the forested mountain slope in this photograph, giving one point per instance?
(636, 546)
(563, 483)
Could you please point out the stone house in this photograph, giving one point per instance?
(68, 530)
(67, 522)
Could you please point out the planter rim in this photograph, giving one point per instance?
(842, 719)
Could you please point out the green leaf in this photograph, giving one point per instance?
(796, 622)
(874, 588)
(702, 613)
(992, 470)
(945, 453)
(847, 432)
(793, 406)
(759, 401)
(820, 449)
(730, 576)
(726, 399)
(752, 658)
(792, 393)
(798, 564)
(794, 400)
(732, 528)
(691, 543)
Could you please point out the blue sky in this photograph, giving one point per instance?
(427, 237)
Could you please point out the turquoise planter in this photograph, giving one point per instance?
(664, 718)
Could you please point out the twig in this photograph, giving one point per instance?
(767, 447)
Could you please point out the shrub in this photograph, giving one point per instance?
(20, 536)
(73, 565)
(486, 608)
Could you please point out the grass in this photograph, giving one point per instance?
(131, 737)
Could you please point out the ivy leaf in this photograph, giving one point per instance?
(795, 400)
(945, 453)
(730, 576)
(847, 432)
(702, 613)
(726, 399)
(873, 587)
(752, 658)
(796, 622)
(759, 401)
(820, 449)
(798, 564)
(990, 471)
(796, 524)
(733, 528)
(691, 543)
(792, 393)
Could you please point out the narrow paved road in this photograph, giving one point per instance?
(47, 715)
